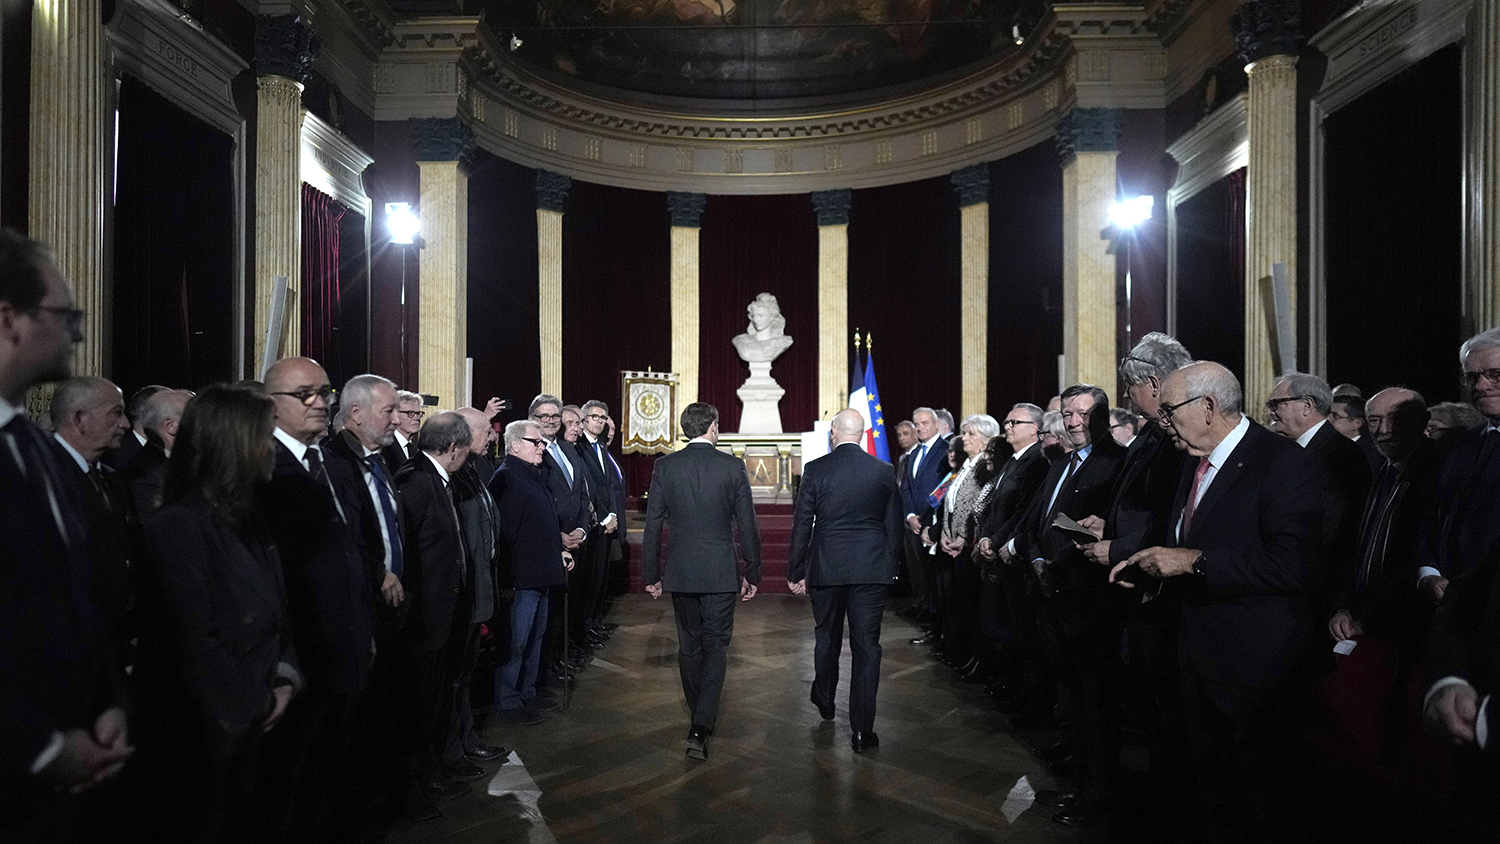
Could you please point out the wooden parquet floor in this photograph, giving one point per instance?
(611, 769)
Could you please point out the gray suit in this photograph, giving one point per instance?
(704, 494)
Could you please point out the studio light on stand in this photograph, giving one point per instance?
(402, 224)
(1125, 216)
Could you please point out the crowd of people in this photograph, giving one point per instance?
(1175, 568)
(257, 612)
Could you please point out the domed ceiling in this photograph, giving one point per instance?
(758, 54)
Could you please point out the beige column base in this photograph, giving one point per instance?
(278, 210)
(66, 187)
(1270, 216)
(444, 290)
(833, 319)
(1088, 272)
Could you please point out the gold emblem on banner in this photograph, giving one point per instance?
(650, 424)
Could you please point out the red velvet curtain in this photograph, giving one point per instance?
(750, 245)
(321, 311)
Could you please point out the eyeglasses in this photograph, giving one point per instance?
(1119, 425)
(1165, 411)
(1011, 423)
(536, 441)
(546, 416)
(598, 416)
(306, 395)
(1471, 379)
(1274, 405)
(72, 318)
(413, 414)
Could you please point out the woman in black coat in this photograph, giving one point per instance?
(215, 668)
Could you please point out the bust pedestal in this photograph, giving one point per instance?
(760, 395)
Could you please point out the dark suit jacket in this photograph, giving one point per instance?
(606, 489)
(479, 517)
(1346, 485)
(572, 502)
(57, 671)
(1087, 493)
(345, 448)
(1367, 447)
(330, 603)
(914, 490)
(116, 542)
(214, 630)
(1006, 506)
(1137, 516)
(128, 449)
(143, 476)
(847, 525)
(396, 456)
(1390, 605)
(436, 569)
(529, 555)
(1465, 638)
(1259, 526)
(1468, 525)
(704, 494)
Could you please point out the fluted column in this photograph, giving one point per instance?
(686, 213)
(284, 51)
(443, 148)
(1267, 33)
(1482, 168)
(551, 196)
(832, 210)
(972, 184)
(1088, 139)
(66, 205)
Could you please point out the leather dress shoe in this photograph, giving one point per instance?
(463, 769)
(1059, 798)
(1053, 752)
(825, 711)
(609, 626)
(928, 639)
(443, 789)
(864, 741)
(697, 742)
(1080, 815)
(484, 752)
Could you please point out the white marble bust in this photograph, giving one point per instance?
(764, 339)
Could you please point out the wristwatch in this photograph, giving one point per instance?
(1198, 565)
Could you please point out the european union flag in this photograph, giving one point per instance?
(875, 414)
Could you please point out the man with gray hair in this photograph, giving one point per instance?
(409, 415)
(131, 445)
(1243, 539)
(1298, 409)
(159, 418)
(925, 468)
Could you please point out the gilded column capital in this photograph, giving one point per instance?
(552, 190)
(832, 206)
(285, 46)
(442, 139)
(972, 184)
(686, 209)
(1267, 28)
(1089, 130)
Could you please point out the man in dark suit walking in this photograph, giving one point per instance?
(1245, 537)
(845, 550)
(704, 494)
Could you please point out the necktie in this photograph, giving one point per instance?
(1073, 462)
(599, 453)
(1376, 527)
(96, 479)
(411, 450)
(562, 462)
(1192, 499)
(388, 508)
(917, 464)
(35, 466)
(319, 473)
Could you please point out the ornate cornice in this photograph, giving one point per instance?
(1267, 28)
(832, 206)
(552, 190)
(374, 21)
(972, 184)
(284, 46)
(685, 208)
(442, 139)
(1089, 130)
